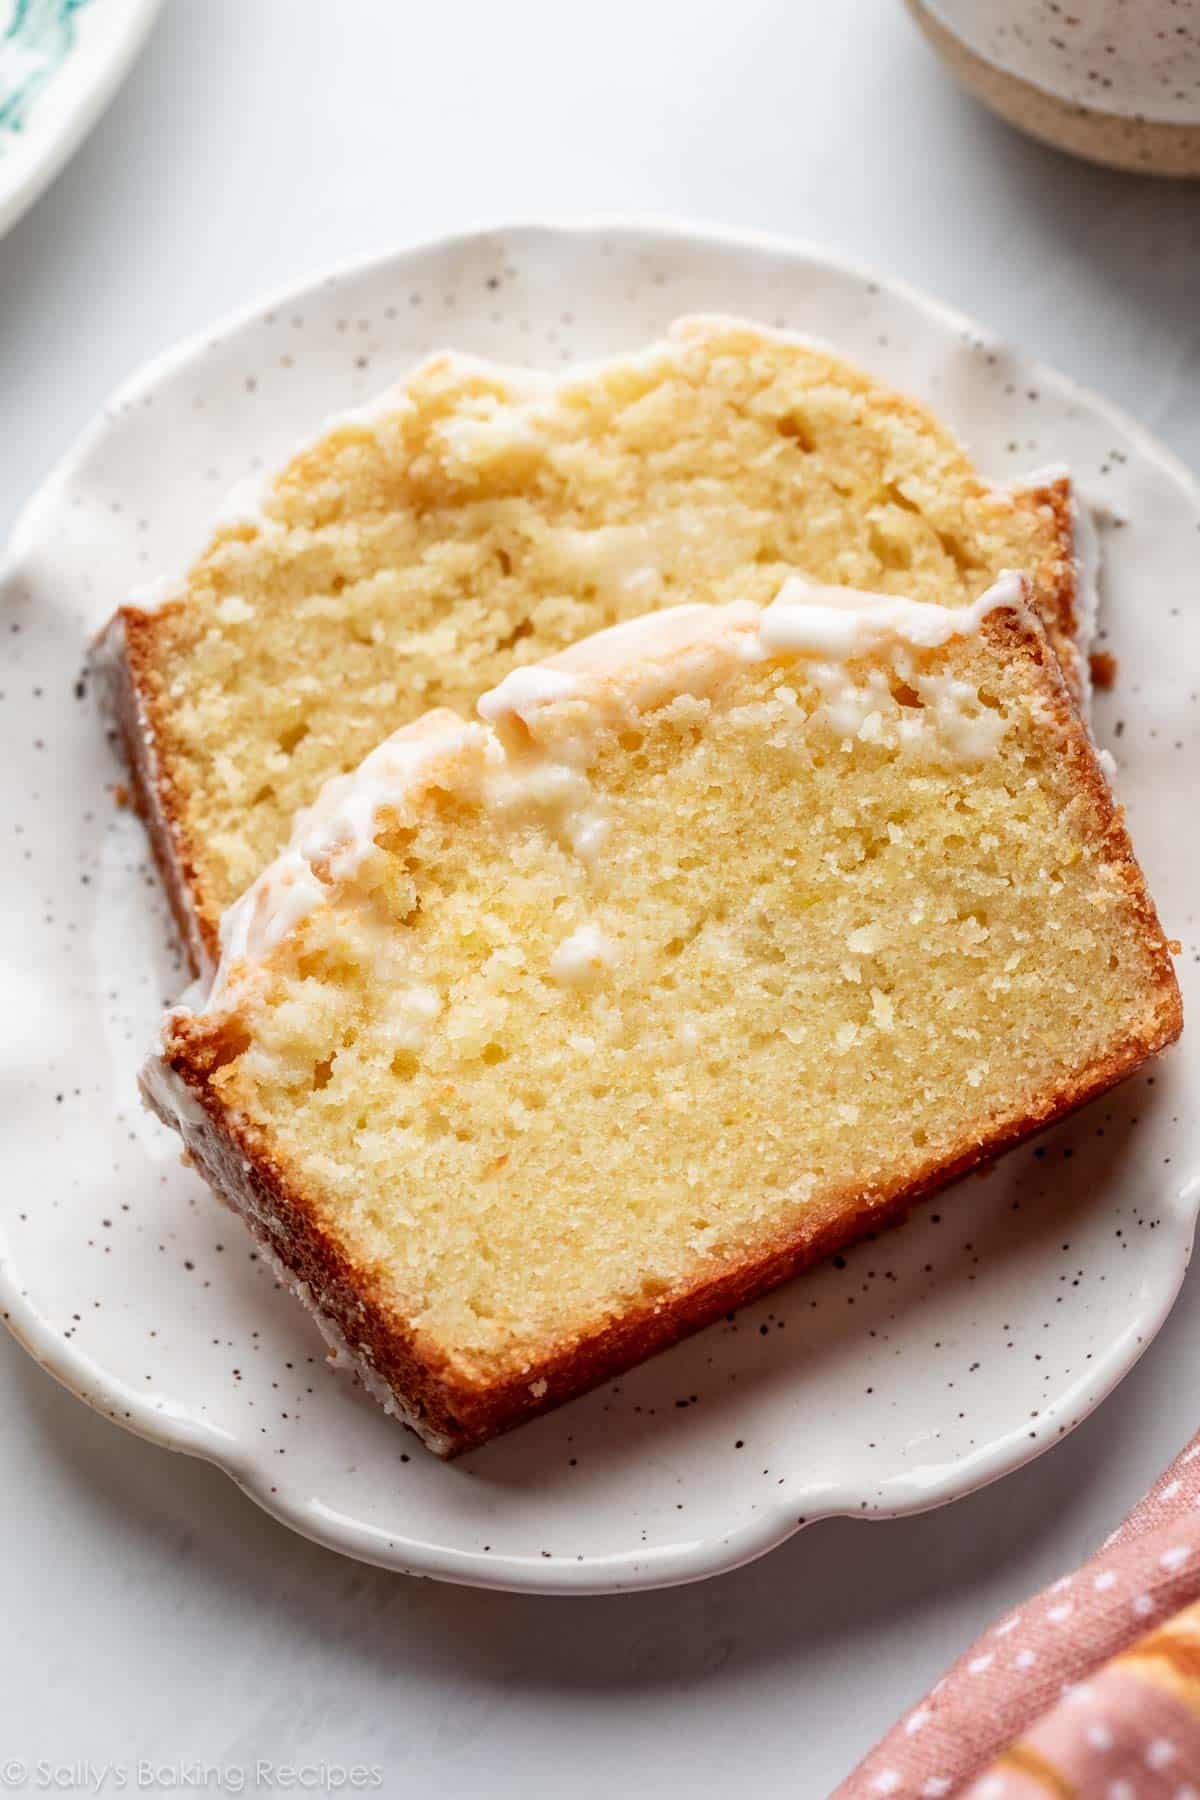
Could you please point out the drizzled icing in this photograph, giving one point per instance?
(686, 649)
(333, 835)
(525, 690)
(582, 958)
(804, 620)
(542, 724)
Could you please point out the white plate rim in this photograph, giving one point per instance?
(626, 1571)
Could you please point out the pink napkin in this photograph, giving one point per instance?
(1038, 1706)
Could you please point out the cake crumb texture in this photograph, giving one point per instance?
(482, 518)
(519, 1115)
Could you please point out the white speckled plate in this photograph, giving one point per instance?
(61, 62)
(901, 1375)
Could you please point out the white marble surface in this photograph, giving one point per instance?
(151, 1611)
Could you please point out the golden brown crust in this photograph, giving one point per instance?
(1103, 665)
(124, 657)
(1115, 847)
(453, 1413)
(1056, 579)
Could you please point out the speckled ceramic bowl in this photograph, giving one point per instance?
(898, 1376)
(1116, 81)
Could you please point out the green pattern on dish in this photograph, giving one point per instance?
(38, 40)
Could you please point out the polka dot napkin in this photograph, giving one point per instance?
(1090, 1690)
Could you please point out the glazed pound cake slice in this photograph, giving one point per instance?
(726, 934)
(480, 517)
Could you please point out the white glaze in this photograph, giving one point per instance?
(629, 669)
(472, 440)
(520, 694)
(970, 731)
(405, 1025)
(582, 958)
(339, 825)
(832, 622)
(335, 832)
(150, 595)
(170, 1093)
(685, 649)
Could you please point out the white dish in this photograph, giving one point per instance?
(61, 62)
(906, 1373)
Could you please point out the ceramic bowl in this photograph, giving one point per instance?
(1114, 82)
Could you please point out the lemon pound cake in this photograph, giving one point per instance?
(479, 518)
(721, 937)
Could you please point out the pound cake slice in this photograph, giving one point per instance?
(720, 938)
(482, 517)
